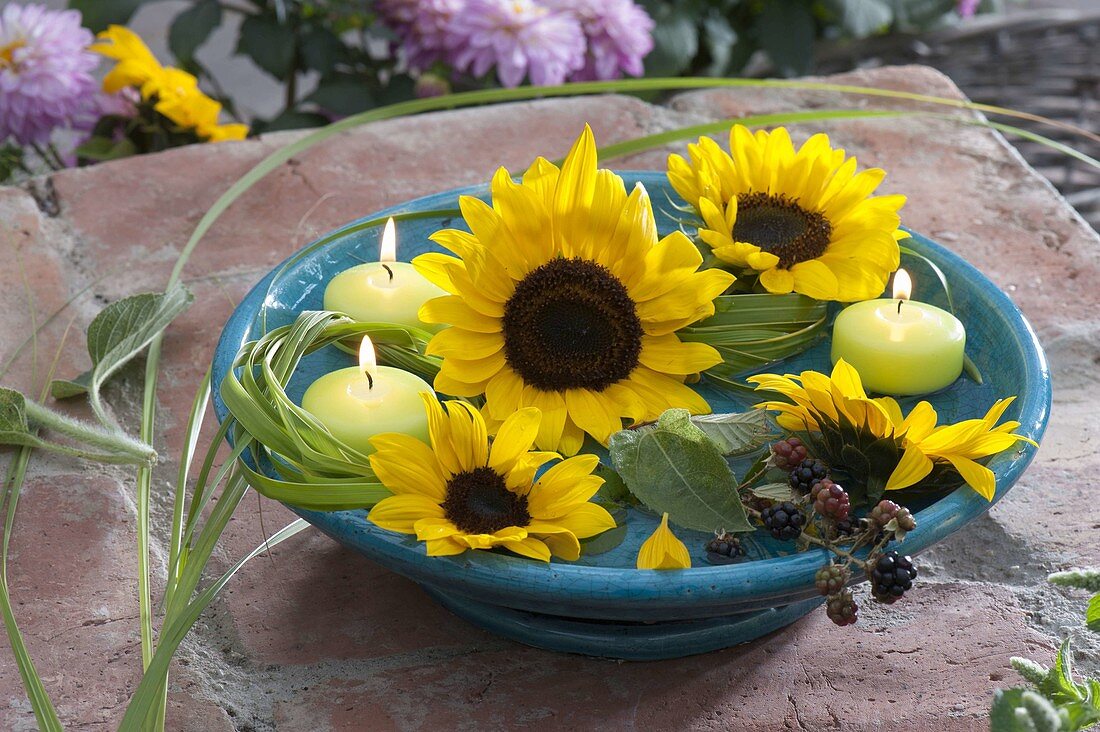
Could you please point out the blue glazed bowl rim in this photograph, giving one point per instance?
(778, 577)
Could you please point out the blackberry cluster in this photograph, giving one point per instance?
(884, 513)
(891, 577)
(842, 609)
(788, 453)
(831, 500)
(724, 548)
(831, 579)
(784, 520)
(806, 473)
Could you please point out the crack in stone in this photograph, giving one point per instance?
(45, 195)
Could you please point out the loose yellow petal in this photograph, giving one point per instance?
(662, 550)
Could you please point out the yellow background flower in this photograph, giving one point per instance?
(804, 220)
(461, 493)
(563, 298)
(820, 403)
(175, 92)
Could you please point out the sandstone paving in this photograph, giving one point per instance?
(315, 637)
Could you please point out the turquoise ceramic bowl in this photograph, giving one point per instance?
(601, 605)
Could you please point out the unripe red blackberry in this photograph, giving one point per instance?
(724, 548)
(884, 513)
(906, 522)
(806, 473)
(830, 500)
(831, 579)
(891, 577)
(788, 453)
(842, 609)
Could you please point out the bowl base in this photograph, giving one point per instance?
(624, 641)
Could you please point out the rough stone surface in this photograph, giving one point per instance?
(314, 637)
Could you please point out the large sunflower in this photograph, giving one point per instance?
(837, 407)
(804, 220)
(461, 494)
(564, 299)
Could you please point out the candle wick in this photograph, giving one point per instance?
(388, 270)
(370, 379)
(900, 301)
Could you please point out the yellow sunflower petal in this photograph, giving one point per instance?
(530, 547)
(564, 486)
(430, 529)
(444, 547)
(469, 437)
(561, 541)
(514, 438)
(814, 279)
(978, 477)
(400, 513)
(594, 412)
(503, 393)
(662, 550)
(668, 354)
(453, 310)
(584, 521)
(404, 464)
(777, 281)
(913, 467)
(464, 344)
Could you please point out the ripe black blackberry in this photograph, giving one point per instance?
(842, 609)
(788, 453)
(831, 579)
(724, 548)
(784, 520)
(891, 577)
(830, 500)
(807, 473)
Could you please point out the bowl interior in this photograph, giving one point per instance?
(999, 340)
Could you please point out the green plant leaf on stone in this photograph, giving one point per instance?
(1092, 613)
(118, 334)
(322, 50)
(673, 467)
(862, 18)
(737, 433)
(676, 41)
(1022, 710)
(1085, 579)
(192, 27)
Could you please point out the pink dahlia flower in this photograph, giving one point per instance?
(967, 8)
(422, 26)
(618, 33)
(45, 73)
(520, 38)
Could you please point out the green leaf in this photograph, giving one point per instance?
(343, 94)
(118, 334)
(862, 18)
(773, 491)
(1085, 579)
(13, 415)
(101, 149)
(675, 468)
(675, 42)
(98, 14)
(1092, 614)
(192, 27)
(614, 489)
(786, 30)
(269, 44)
(721, 41)
(737, 433)
(322, 50)
(1022, 710)
(604, 542)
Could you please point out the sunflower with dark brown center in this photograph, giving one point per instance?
(563, 298)
(802, 220)
(463, 492)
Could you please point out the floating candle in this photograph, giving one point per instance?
(386, 291)
(359, 402)
(899, 346)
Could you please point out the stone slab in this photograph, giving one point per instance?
(317, 638)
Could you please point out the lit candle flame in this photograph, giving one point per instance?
(368, 362)
(389, 242)
(903, 285)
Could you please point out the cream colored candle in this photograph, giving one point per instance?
(386, 291)
(898, 346)
(359, 402)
